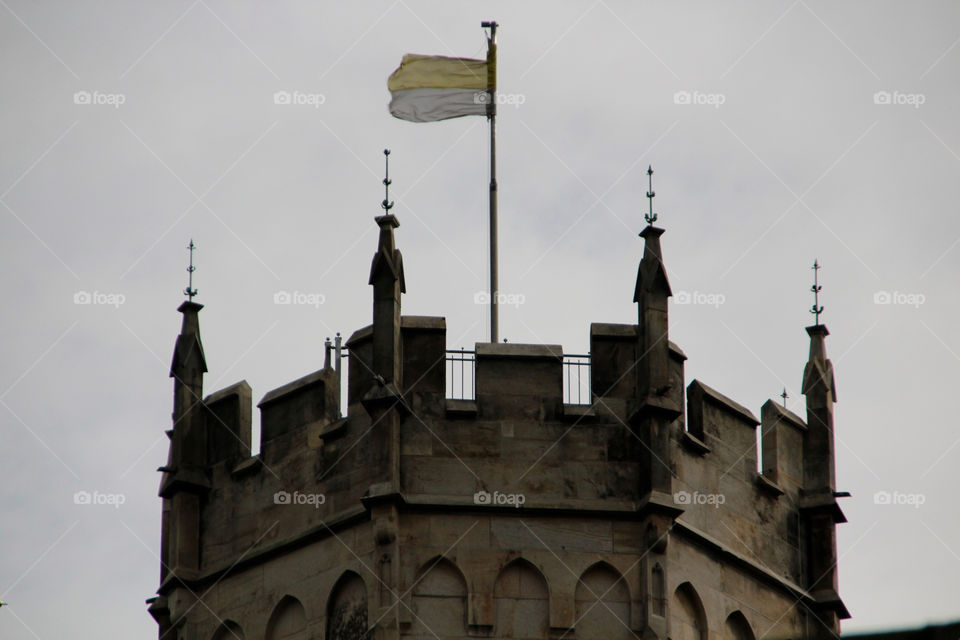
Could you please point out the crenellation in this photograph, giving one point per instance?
(782, 434)
(310, 400)
(424, 344)
(706, 405)
(519, 380)
(509, 502)
(612, 354)
(229, 415)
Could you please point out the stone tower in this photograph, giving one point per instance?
(509, 513)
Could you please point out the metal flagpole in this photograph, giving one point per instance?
(492, 116)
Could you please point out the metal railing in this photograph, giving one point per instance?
(461, 377)
(576, 379)
(462, 374)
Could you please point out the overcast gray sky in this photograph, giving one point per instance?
(786, 152)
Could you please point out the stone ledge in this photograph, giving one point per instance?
(250, 465)
(436, 323)
(822, 502)
(318, 432)
(461, 408)
(291, 387)
(610, 330)
(526, 351)
(596, 508)
(243, 385)
(693, 443)
(725, 403)
(578, 411)
(769, 486)
(627, 333)
(785, 415)
(360, 334)
(676, 351)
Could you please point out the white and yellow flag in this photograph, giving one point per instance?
(431, 88)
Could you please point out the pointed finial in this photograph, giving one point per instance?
(650, 217)
(190, 291)
(784, 395)
(816, 309)
(386, 204)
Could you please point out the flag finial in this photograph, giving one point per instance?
(816, 309)
(386, 204)
(650, 217)
(190, 291)
(492, 25)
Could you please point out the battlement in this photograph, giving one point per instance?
(644, 449)
(517, 425)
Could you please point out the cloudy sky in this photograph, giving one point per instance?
(780, 132)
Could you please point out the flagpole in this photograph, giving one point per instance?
(492, 117)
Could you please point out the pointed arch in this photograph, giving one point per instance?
(688, 620)
(737, 627)
(602, 604)
(228, 630)
(521, 602)
(288, 621)
(347, 608)
(439, 601)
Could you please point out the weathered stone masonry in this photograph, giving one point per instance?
(643, 513)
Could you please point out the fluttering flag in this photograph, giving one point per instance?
(431, 88)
